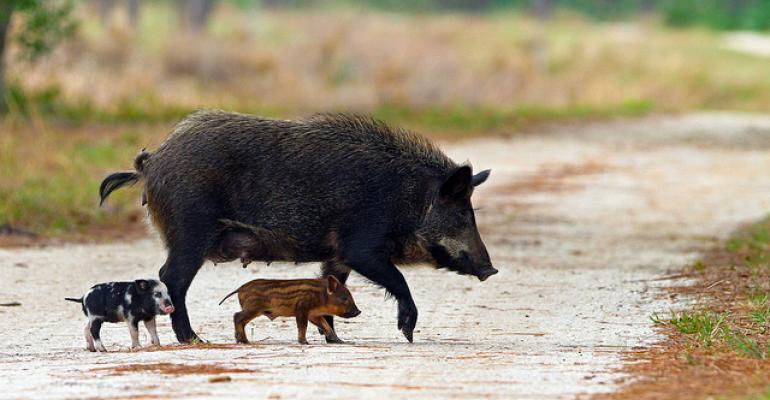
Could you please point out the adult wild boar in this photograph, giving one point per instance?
(347, 191)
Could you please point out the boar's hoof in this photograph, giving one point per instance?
(303, 342)
(407, 320)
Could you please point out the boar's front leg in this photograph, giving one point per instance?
(376, 266)
(181, 266)
(325, 329)
(341, 272)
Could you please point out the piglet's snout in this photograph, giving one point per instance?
(352, 313)
(168, 308)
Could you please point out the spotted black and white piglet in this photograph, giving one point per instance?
(140, 300)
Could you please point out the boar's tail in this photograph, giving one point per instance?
(119, 179)
(116, 181)
(80, 300)
(231, 293)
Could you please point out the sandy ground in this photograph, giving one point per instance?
(585, 223)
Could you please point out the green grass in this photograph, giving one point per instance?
(760, 312)
(743, 326)
(706, 325)
(711, 329)
(754, 244)
(480, 120)
(764, 396)
(48, 103)
(49, 177)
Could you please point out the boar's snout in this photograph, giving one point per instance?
(485, 272)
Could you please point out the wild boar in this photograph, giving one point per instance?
(348, 191)
(305, 299)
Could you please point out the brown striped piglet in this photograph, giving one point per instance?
(305, 299)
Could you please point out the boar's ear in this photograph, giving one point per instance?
(458, 185)
(333, 283)
(480, 178)
(142, 284)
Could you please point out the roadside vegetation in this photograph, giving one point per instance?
(112, 88)
(720, 346)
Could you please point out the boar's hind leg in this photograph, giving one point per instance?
(377, 267)
(185, 258)
(341, 272)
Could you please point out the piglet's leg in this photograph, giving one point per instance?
(96, 326)
(326, 329)
(133, 329)
(151, 329)
(302, 327)
(89, 339)
(241, 319)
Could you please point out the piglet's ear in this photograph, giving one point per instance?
(333, 283)
(142, 284)
(458, 185)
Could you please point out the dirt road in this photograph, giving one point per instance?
(584, 223)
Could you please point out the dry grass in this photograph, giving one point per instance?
(302, 61)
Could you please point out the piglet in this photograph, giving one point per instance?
(304, 299)
(140, 300)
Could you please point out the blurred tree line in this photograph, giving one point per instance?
(43, 23)
(716, 14)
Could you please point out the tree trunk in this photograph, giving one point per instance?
(542, 10)
(6, 9)
(199, 13)
(646, 6)
(105, 9)
(132, 6)
(194, 13)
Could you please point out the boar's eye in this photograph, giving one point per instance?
(158, 295)
(344, 298)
